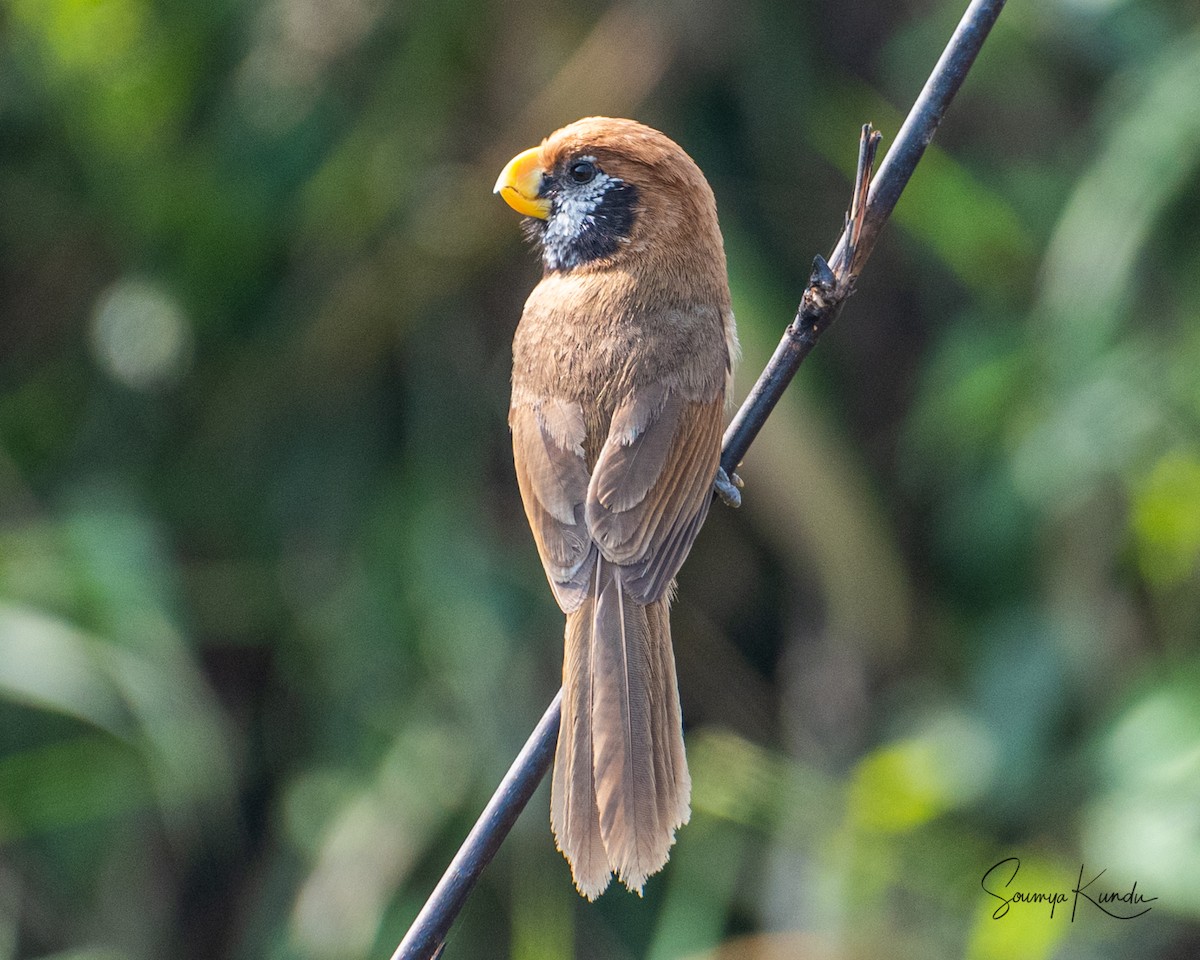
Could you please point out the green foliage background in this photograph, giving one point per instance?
(271, 623)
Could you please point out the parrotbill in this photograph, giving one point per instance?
(622, 361)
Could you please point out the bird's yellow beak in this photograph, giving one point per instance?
(520, 182)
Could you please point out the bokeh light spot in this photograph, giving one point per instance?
(140, 335)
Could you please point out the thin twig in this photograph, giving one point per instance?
(426, 936)
(847, 260)
(829, 286)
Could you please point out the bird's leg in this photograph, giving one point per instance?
(728, 487)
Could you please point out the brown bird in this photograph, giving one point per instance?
(621, 364)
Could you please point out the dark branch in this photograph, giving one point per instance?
(829, 286)
(425, 937)
(823, 299)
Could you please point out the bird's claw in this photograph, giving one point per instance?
(728, 488)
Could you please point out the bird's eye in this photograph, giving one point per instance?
(582, 171)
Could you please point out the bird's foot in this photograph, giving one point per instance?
(728, 487)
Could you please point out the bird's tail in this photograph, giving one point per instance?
(621, 785)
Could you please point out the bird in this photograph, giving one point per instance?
(623, 359)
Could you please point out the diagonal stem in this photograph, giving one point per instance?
(426, 935)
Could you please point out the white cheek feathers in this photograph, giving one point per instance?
(577, 215)
(573, 222)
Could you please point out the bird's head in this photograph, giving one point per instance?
(603, 193)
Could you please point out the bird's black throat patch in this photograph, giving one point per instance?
(584, 225)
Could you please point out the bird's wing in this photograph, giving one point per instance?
(652, 484)
(552, 474)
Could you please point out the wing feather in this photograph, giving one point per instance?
(635, 454)
(553, 478)
(651, 487)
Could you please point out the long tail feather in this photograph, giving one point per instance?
(669, 734)
(574, 816)
(621, 786)
(622, 738)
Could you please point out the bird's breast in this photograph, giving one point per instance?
(595, 337)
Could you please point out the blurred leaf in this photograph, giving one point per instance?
(898, 788)
(1091, 279)
(150, 705)
(48, 664)
(972, 380)
(69, 783)
(704, 884)
(543, 907)
(1145, 824)
(740, 781)
(1024, 930)
(1166, 519)
(1101, 428)
(372, 838)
